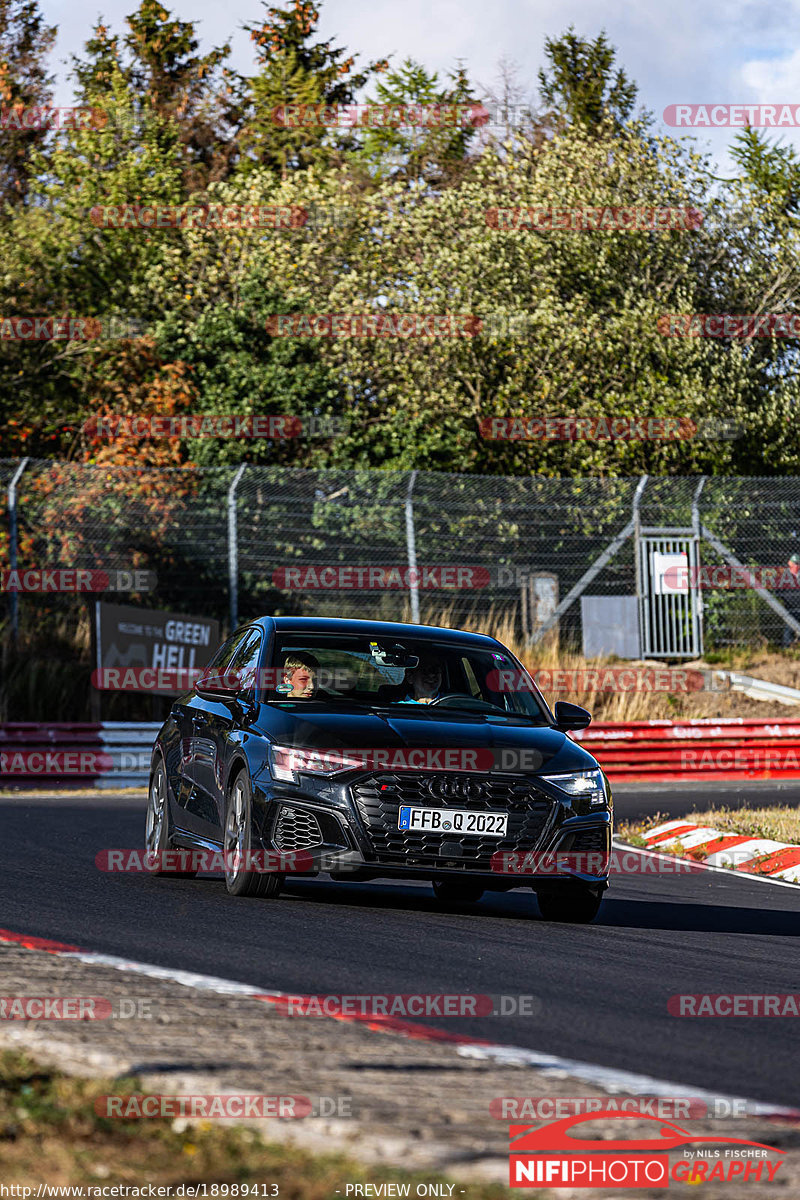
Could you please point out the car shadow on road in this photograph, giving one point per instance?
(698, 918)
(398, 897)
(521, 906)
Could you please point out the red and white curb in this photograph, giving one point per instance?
(613, 1081)
(721, 848)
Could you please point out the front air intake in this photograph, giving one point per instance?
(296, 829)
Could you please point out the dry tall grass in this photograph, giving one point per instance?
(781, 823)
(503, 624)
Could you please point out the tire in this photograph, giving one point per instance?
(578, 906)
(456, 891)
(238, 838)
(157, 832)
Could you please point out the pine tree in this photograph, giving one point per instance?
(436, 151)
(173, 85)
(581, 86)
(25, 42)
(300, 74)
(769, 168)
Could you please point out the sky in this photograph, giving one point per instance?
(679, 52)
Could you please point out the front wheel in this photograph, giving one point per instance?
(157, 838)
(578, 906)
(238, 845)
(456, 891)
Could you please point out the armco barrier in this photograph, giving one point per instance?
(112, 754)
(706, 750)
(117, 754)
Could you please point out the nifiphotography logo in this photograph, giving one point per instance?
(552, 1155)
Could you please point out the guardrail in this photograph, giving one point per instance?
(705, 750)
(116, 754)
(112, 754)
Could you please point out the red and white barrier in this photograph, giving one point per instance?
(117, 754)
(706, 750)
(111, 754)
(721, 848)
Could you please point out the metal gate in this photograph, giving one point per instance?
(670, 607)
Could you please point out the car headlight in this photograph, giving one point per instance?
(287, 762)
(583, 784)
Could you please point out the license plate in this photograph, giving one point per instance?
(452, 820)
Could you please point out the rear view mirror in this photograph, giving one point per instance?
(393, 656)
(226, 685)
(571, 716)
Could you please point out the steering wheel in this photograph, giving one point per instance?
(463, 700)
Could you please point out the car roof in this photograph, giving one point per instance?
(395, 629)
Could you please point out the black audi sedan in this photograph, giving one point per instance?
(368, 749)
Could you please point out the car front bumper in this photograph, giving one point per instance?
(350, 831)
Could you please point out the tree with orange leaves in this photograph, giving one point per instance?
(113, 486)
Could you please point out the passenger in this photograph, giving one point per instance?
(301, 670)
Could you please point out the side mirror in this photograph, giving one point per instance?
(571, 716)
(219, 686)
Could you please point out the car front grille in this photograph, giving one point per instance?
(296, 829)
(379, 798)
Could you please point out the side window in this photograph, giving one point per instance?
(245, 661)
(222, 659)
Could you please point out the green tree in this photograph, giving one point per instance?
(296, 73)
(769, 168)
(572, 317)
(55, 260)
(195, 94)
(25, 43)
(580, 85)
(436, 152)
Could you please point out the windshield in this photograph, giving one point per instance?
(411, 673)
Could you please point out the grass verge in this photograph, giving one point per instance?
(50, 1133)
(781, 823)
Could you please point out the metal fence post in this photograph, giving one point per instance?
(697, 595)
(12, 544)
(641, 612)
(233, 550)
(411, 550)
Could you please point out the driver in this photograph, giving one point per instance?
(423, 683)
(302, 672)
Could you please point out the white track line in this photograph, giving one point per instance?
(701, 865)
(608, 1078)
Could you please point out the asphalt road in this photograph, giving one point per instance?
(634, 800)
(602, 989)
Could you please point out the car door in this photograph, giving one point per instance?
(197, 751)
(217, 719)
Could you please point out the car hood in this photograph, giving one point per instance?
(321, 728)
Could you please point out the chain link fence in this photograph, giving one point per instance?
(238, 542)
